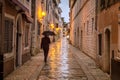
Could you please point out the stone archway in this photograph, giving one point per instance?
(18, 58)
(107, 51)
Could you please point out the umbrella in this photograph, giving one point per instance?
(48, 33)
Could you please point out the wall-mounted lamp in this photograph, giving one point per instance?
(43, 14)
(52, 26)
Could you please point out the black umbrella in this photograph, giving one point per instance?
(48, 33)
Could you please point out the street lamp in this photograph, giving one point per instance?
(52, 26)
(43, 14)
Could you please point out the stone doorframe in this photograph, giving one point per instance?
(18, 37)
(107, 50)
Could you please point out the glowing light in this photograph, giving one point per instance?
(43, 14)
(57, 29)
(52, 26)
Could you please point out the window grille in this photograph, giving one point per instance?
(8, 35)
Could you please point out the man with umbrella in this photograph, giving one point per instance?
(45, 46)
(51, 33)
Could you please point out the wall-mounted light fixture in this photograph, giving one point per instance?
(52, 26)
(43, 14)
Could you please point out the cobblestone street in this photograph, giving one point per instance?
(62, 65)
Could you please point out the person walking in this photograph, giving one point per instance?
(45, 46)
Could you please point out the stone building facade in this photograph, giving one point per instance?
(38, 24)
(83, 26)
(109, 35)
(94, 28)
(22, 23)
(53, 19)
(17, 26)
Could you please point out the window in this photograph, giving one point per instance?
(87, 27)
(100, 44)
(26, 35)
(8, 35)
(102, 4)
(33, 8)
(92, 25)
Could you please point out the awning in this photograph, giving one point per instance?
(20, 5)
(27, 17)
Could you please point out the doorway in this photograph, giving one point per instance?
(18, 43)
(107, 51)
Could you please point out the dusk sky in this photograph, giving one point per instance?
(65, 9)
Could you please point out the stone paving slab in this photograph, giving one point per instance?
(28, 71)
(88, 65)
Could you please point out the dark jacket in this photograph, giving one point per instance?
(45, 42)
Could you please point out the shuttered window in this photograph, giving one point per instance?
(8, 35)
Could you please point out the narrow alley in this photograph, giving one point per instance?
(62, 65)
(81, 36)
(67, 63)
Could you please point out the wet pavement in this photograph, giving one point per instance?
(65, 63)
(61, 65)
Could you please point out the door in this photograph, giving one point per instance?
(107, 50)
(18, 43)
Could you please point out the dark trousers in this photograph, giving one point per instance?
(45, 54)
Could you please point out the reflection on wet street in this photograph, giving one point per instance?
(61, 64)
